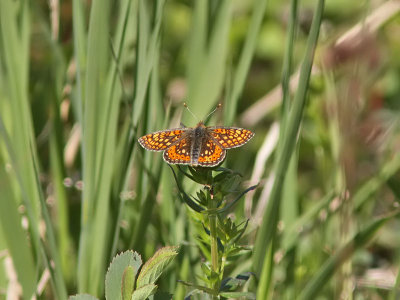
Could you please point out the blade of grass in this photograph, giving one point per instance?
(67, 255)
(80, 46)
(197, 48)
(147, 47)
(245, 60)
(121, 151)
(334, 262)
(17, 244)
(286, 72)
(57, 71)
(372, 185)
(207, 61)
(291, 237)
(147, 80)
(289, 213)
(263, 290)
(152, 181)
(16, 62)
(100, 114)
(268, 227)
(395, 293)
(19, 135)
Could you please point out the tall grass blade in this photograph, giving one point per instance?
(147, 89)
(19, 136)
(246, 56)
(100, 111)
(147, 47)
(207, 56)
(17, 244)
(268, 227)
(80, 46)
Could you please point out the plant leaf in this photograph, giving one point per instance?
(128, 283)
(153, 268)
(144, 292)
(116, 273)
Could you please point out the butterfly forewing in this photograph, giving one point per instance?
(161, 140)
(211, 154)
(230, 137)
(178, 153)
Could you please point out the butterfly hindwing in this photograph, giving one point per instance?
(178, 153)
(211, 154)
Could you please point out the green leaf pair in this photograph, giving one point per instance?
(125, 282)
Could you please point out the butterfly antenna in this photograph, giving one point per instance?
(213, 111)
(187, 107)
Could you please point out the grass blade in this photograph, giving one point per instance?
(19, 136)
(341, 256)
(206, 68)
(17, 244)
(100, 110)
(245, 60)
(268, 227)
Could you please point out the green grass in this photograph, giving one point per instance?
(72, 106)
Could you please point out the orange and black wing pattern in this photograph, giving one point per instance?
(161, 140)
(211, 154)
(230, 137)
(178, 153)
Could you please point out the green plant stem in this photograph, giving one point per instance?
(214, 243)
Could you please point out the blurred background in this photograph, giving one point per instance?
(80, 81)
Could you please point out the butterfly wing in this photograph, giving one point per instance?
(161, 140)
(230, 137)
(178, 153)
(211, 154)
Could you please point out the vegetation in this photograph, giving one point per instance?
(293, 214)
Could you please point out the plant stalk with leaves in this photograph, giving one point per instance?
(217, 235)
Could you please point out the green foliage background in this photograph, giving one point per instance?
(80, 81)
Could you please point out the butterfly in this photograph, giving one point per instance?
(199, 146)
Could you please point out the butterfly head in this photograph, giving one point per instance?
(201, 123)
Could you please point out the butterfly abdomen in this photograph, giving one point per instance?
(197, 140)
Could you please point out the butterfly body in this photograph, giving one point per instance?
(199, 146)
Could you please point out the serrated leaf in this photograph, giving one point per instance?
(234, 295)
(144, 292)
(82, 297)
(116, 271)
(153, 268)
(128, 282)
